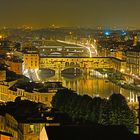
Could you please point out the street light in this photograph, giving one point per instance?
(1, 36)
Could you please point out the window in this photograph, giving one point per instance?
(31, 129)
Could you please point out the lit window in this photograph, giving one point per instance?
(31, 128)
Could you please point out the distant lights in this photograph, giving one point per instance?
(97, 95)
(107, 33)
(123, 33)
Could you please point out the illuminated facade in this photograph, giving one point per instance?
(15, 66)
(31, 60)
(9, 95)
(133, 62)
(2, 75)
(31, 130)
(5, 136)
(10, 125)
(119, 65)
(120, 55)
(84, 64)
(63, 51)
(19, 130)
(135, 40)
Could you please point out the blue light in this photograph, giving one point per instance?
(107, 33)
(123, 33)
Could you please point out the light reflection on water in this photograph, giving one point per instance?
(89, 85)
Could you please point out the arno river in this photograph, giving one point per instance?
(90, 85)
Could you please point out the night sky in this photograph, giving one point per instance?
(85, 13)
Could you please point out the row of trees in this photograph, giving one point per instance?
(114, 111)
(21, 109)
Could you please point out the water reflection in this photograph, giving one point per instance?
(85, 84)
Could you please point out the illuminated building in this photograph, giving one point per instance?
(5, 136)
(10, 125)
(2, 75)
(63, 51)
(120, 55)
(31, 129)
(44, 97)
(133, 61)
(119, 65)
(31, 60)
(135, 41)
(10, 129)
(85, 64)
(15, 65)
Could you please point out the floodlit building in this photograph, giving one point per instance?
(31, 130)
(30, 60)
(43, 95)
(15, 65)
(133, 61)
(10, 125)
(2, 75)
(5, 136)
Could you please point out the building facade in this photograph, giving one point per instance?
(10, 125)
(15, 66)
(5, 136)
(85, 64)
(9, 95)
(30, 60)
(2, 75)
(31, 131)
(133, 62)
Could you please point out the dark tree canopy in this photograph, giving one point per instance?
(114, 111)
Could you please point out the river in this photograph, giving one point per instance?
(90, 85)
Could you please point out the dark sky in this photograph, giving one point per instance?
(89, 13)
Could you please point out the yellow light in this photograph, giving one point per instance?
(122, 70)
(0, 36)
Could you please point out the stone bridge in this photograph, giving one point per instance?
(84, 64)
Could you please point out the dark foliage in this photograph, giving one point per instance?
(114, 111)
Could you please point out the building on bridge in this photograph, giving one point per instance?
(83, 63)
(33, 61)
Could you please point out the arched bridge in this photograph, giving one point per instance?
(82, 63)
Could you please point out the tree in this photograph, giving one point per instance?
(120, 113)
(104, 116)
(96, 109)
(114, 111)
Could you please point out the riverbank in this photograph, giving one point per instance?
(118, 78)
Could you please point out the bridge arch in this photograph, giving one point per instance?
(72, 63)
(74, 70)
(66, 64)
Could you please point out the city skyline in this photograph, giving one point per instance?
(64, 13)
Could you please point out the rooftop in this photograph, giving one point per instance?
(134, 49)
(6, 134)
(89, 132)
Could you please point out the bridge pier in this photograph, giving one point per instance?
(58, 71)
(86, 71)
